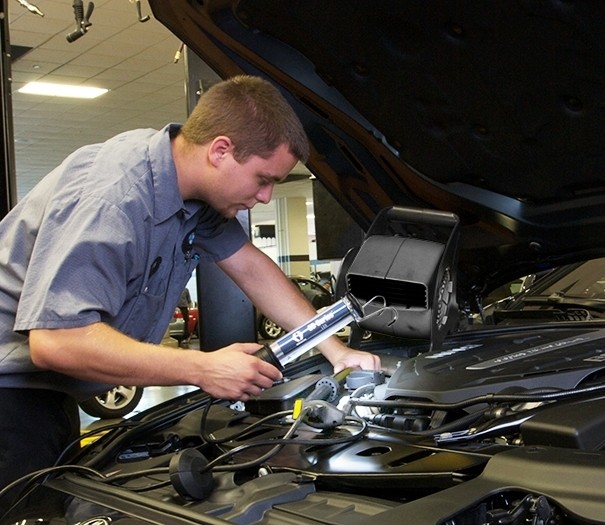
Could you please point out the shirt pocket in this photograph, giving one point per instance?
(149, 303)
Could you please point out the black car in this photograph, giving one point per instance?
(467, 140)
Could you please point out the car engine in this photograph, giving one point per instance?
(429, 435)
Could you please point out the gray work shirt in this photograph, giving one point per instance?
(105, 237)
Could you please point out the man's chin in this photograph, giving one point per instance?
(230, 213)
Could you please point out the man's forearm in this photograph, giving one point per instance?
(99, 353)
(268, 287)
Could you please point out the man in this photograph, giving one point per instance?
(93, 260)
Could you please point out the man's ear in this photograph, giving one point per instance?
(219, 147)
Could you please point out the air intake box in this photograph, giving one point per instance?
(407, 264)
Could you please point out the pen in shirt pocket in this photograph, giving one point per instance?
(155, 266)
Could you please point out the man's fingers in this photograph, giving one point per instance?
(251, 348)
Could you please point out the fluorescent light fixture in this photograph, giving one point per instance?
(61, 90)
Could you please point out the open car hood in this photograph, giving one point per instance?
(492, 111)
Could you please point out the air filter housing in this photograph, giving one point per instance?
(406, 263)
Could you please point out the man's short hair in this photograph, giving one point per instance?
(252, 113)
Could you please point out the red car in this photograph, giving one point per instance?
(177, 326)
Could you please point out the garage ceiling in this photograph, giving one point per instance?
(134, 60)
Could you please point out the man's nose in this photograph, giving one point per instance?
(264, 194)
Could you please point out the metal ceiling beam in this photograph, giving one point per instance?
(8, 193)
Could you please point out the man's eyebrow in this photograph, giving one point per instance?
(275, 178)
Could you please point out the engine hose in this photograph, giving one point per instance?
(457, 424)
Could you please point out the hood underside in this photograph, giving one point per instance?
(494, 111)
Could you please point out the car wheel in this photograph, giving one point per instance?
(114, 403)
(268, 329)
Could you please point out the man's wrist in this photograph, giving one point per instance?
(333, 349)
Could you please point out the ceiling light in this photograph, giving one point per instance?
(61, 90)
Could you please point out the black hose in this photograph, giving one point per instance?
(483, 399)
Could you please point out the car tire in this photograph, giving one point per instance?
(114, 403)
(268, 329)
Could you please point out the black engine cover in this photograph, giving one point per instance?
(470, 364)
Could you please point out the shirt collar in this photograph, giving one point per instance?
(167, 199)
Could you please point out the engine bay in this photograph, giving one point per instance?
(422, 436)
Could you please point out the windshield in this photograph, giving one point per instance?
(587, 281)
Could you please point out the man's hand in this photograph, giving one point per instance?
(234, 372)
(350, 358)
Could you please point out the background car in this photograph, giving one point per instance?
(115, 403)
(318, 295)
(177, 324)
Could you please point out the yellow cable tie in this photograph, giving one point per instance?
(298, 406)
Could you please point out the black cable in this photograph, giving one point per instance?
(267, 455)
(125, 476)
(219, 459)
(278, 444)
(31, 478)
(153, 486)
(295, 441)
(214, 465)
(486, 398)
(57, 467)
(136, 474)
(457, 424)
(105, 428)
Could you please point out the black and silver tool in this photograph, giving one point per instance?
(326, 323)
